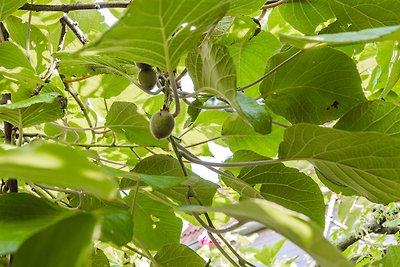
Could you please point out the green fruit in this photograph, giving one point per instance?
(143, 66)
(161, 124)
(147, 78)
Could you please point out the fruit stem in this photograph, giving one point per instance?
(175, 93)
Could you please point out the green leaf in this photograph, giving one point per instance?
(299, 229)
(90, 65)
(169, 167)
(241, 30)
(238, 135)
(155, 224)
(367, 162)
(64, 244)
(21, 215)
(116, 225)
(394, 72)
(305, 16)
(287, 187)
(244, 7)
(124, 117)
(250, 56)
(254, 113)
(35, 110)
(372, 116)
(363, 14)
(212, 70)
(324, 90)
(178, 255)
(385, 52)
(56, 165)
(16, 72)
(162, 181)
(163, 30)
(17, 29)
(344, 38)
(8, 7)
(98, 259)
(391, 259)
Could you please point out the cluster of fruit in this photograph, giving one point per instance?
(161, 123)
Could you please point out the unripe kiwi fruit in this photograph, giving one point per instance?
(161, 124)
(147, 78)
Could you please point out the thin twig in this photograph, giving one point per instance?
(53, 61)
(178, 155)
(185, 132)
(76, 128)
(112, 162)
(181, 75)
(262, 15)
(134, 198)
(175, 94)
(212, 229)
(146, 251)
(72, 7)
(329, 213)
(242, 261)
(75, 28)
(204, 142)
(273, 4)
(60, 189)
(136, 251)
(187, 155)
(205, 106)
(271, 71)
(280, 124)
(74, 94)
(223, 252)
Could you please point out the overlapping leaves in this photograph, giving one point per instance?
(213, 71)
(159, 32)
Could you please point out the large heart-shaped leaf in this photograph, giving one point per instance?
(298, 229)
(366, 162)
(326, 86)
(158, 32)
